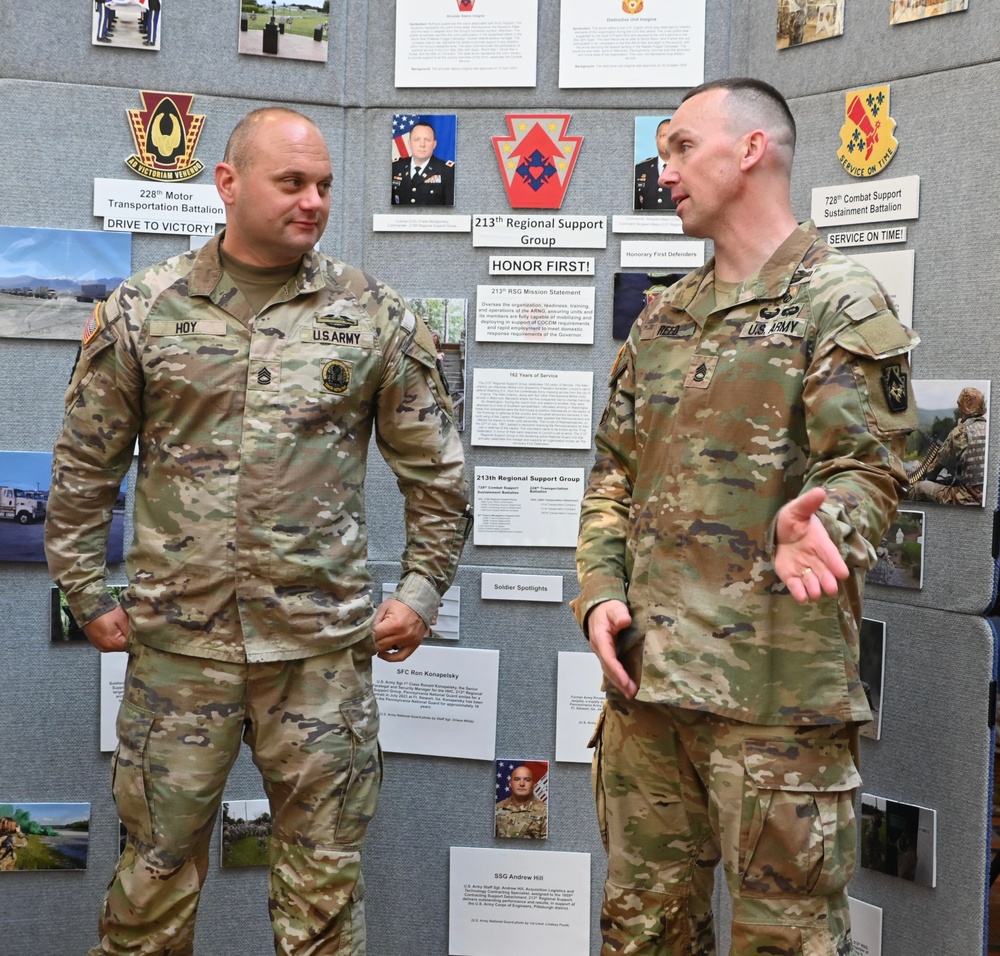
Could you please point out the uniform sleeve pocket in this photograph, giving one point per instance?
(130, 771)
(798, 830)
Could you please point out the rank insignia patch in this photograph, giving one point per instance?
(336, 376)
(166, 134)
(537, 159)
(894, 381)
(866, 136)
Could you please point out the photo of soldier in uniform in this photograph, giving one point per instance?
(805, 21)
(246, 830)
(905, 11)
(946, 455)
(650, 157)
(44, 836)
(126, 24)
(423, 159)
(522, 789)
(900, 554)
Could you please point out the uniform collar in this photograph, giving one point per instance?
(207, 270)
(771, 281)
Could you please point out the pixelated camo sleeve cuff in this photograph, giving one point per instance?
(91, 604)
(854, 548)
(420, 595)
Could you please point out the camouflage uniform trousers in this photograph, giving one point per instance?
(679, 790)
(312, 726)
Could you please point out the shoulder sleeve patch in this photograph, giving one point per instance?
(877, 338)
(93, 325)
(621, 360)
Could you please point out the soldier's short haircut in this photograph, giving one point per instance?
(239, 151)
(428, 125)
(756, 103)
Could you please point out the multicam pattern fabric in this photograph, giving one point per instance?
(678, 791)
(312, 725)
(719, 414)
(528, 821)
(250, 537)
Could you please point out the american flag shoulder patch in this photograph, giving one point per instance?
(93, 325)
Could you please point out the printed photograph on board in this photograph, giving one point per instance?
(293, 31)
(126, 24)
(25, 477)
(446, 319)
(423, 159)
(905, 11)
(246, 830)
(52, 279)
(946, 455)
(899, 839)
(805, 21)
(651, 155)
(44, 836)
(900, 561)
(522, 794)
(872, 668)
(62, 625)
(633, 292)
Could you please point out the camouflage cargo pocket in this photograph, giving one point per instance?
(364, 778)
(130, 772)
(798, 831)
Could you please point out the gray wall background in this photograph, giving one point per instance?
(63, 102)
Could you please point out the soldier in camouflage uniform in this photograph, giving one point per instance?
(522, 814)
(253, 373)
(961, 457)
(747, 466)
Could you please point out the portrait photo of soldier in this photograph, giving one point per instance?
(946, 458)
(522, 810)
(423, 159)
(650, 158)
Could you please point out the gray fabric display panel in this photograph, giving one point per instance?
(63, 107)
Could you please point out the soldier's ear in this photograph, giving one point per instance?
(225, 179)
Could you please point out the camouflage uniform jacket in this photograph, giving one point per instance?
(718, 417)
(250, 538)
(524, 820)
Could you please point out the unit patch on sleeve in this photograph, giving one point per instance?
(894, 382)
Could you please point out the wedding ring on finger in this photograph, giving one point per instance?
(806, 571)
